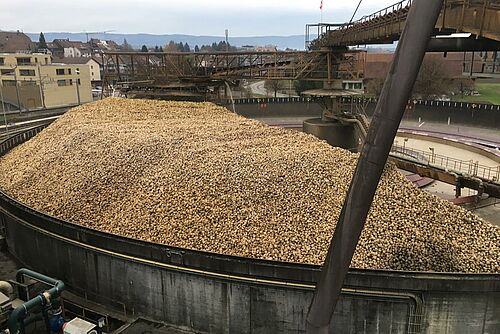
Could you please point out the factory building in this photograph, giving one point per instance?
(31, 81)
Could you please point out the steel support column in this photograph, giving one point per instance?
(409, 55)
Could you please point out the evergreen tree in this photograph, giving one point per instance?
(187, 48)
(42, 44)
(144, 48)
(126, 46)
(161, 48)
(157, 49)
(196, 48)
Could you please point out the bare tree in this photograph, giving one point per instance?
(273, 85)
(171, 47)
(432, 79)
(374, 86)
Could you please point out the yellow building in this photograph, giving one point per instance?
(33, 81)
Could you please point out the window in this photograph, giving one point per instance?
(9, 83)
(69, 70)
(27, 83)
(61, 83)
(7, 71)
(70, 82)
(36, 60)
(46, 61)
(24, 61)
(2, 60)
(60, 71)
(79, 82)
(92, 73)
(91, 67)
(27, 73)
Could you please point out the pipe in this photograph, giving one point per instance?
(414, 324)
(7, 289)
(33, 319)
(21, 273)
(354, 121)
(42, 299)
(409, 55)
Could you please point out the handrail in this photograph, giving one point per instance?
(393, 14)
(469, 167)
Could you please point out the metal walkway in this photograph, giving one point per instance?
(478, 17)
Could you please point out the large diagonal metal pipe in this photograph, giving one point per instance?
(397, 89)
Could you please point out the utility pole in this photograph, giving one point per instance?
(17, 89)
(42, 93)
(227, 40)
(77, 86)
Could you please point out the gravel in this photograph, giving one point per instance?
(197, 176)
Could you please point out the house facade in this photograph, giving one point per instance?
(64, 48)
(91, 62)
(30, 81)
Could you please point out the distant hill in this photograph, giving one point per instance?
(137, 40)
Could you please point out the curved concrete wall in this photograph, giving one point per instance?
(222, 294)
(489, 153)
(459, 113)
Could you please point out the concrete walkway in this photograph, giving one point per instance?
(486, 134)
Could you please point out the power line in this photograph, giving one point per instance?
(355, 11)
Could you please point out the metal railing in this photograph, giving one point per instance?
(19, 138)
(383, 12)
(467, 167)
(365, 100)
(390, 20)
(391, 14)
(313, 31)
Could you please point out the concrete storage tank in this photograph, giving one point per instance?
(215, 293)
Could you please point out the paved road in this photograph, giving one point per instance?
(259, 88)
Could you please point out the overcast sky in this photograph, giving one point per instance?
(193, 17)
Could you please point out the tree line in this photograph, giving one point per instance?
(184, 47)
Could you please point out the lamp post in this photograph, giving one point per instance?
(42, 93)
(432, 154)
(77, 85)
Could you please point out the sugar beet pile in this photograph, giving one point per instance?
(195, 175)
